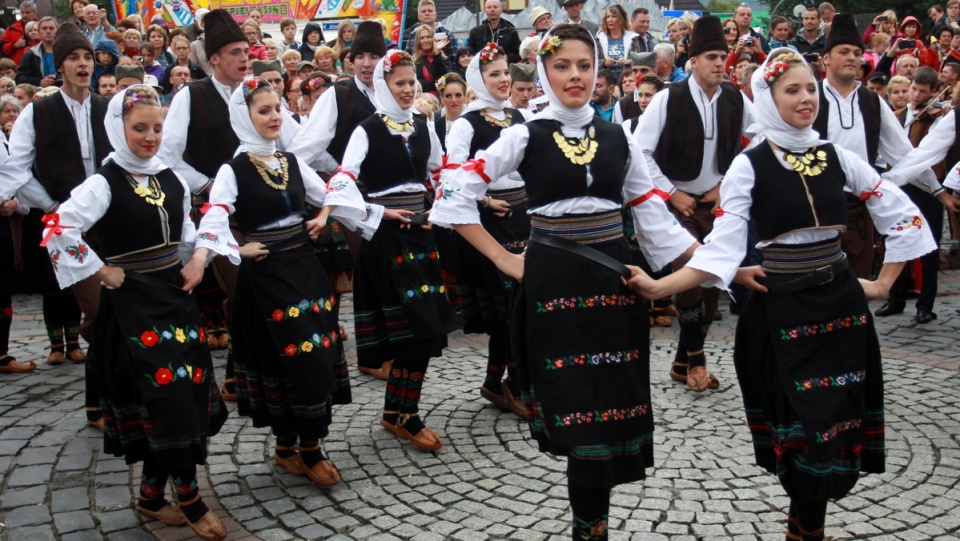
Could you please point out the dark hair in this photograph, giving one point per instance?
(607, 76)
(812, 8)
(287, 21)
(651, 79)
(941, 28)
(778, 20)
(310, 84)
(639, 11)
(464, 51)
(954, 67)
(566, 31)
(926, 75)
(501, 55)
(262, 85)
(398, 59)
(344, 53)
(454, 78)
(149, 48)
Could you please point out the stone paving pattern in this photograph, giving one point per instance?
(488, 481)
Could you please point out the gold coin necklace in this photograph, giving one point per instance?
(578, 151)
(275, 179)
(150, 191)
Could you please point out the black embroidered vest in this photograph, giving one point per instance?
(58, 164)
(131, 224)
(390, 161)
(210, 138)
(869, 103)
(485, 133)
(257, 203)
(784, 202)
(679, 153)
(629, 108)
(353, 107)
(551, 177)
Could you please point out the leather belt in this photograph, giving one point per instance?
(823, 275)
(581, 250)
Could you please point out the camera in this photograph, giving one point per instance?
(908, 43)
(727, 30)
(748, 42)
(810, 58)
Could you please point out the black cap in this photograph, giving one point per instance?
(843, 31)
(707, 36)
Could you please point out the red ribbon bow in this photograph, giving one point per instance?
(718, 212)
(656, 192)
(477, 166)
(444, 165)
(207, 207)
(53, 227)
(875, 192)
(345, 172)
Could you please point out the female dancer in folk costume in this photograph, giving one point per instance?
(400, 308)
(806, 353)
(580, 337)
(157, 390)
(482, 290)
(287, 347)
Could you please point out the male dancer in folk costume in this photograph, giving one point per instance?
(687, 155)
(337, 114)
(61, 141)
(197, 135)
(854, 118)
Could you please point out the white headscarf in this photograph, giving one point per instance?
(250, 140)
(475, 82)
(579, 117)
(382, 97)
(122, 155)
(769, 124)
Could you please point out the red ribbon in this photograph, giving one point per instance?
(478, 167)
(444, 165)
(207, 207)
(53, 227)
(656, 192)
(718, 212)
(875, 192)
(345, 172)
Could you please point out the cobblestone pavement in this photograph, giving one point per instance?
(488, 481)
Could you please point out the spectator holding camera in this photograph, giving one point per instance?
(743, 16)
(810, 39)
(746, 46)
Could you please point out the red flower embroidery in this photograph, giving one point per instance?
(290, 350)
(315, 307)
(198, 375)
(333, 335)
(278, 315)
(399, 259)
(433, 255)
(326, 342)
(163, 376)
(150, 339)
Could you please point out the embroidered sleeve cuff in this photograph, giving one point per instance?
(73, 262)
(218, 245)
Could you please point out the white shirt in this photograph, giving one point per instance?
(88, 203)
(175, 128)
(315, 136)
(653, 121)
(359, 146)
(349, 208)
(931, 151)
(724, 248)
(660, 236)
(458, 150)
(845, 128)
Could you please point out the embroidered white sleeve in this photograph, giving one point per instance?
(71, 256)
(214, 233)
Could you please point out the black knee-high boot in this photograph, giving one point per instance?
(806, 519)
(591, 508)
(497, 355)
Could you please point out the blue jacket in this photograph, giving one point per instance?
(108, 46)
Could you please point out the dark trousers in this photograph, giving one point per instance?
(857, 240)
(932, 212)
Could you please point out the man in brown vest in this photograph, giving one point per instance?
(61, 140)
(852, 117)
(689, 135)
(197, 137)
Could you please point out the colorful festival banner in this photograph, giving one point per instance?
(389, 10)
(174, 12)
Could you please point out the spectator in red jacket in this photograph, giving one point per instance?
(14, 38)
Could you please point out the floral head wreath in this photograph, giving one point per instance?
(134, 95)
(391, 60)
(252, 83)
(779, 66)
(442, 83)
(549, 45)
(489, 53)
(315, 83)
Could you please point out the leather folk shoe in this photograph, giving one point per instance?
(382, 373)
(889, 309)
(209, 528)
(323, 473)
(924, 316)
(169, 514)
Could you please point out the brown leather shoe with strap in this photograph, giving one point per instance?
(209, 528)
